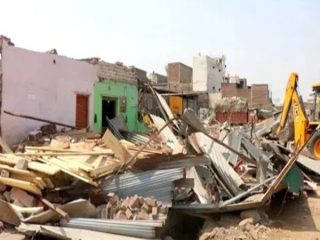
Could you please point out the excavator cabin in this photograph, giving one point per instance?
(302, 126)
(316, 103)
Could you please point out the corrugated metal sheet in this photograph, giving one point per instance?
(134, 228)
(229, 176)
(136, 138)
(157, 183)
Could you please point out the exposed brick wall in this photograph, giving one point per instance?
(157, 78)
(230, 90)
(118, 72)
(141, 74)
(257, 95)
(173, 73)
(180, 87)
(179, 77)
(260, 95)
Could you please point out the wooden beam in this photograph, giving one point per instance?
(59, 211)
(39, 154)
(113, 143)
(67, 170)
(28, 186)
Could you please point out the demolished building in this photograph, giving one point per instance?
(122, 184)
(64, 90)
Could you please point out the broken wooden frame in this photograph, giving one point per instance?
(133, 157)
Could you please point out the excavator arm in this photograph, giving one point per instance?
(293, 99)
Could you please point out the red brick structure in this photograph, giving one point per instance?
(179, 77)
(256, 94)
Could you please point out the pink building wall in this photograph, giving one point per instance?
(41, 85)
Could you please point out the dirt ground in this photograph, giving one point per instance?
(299, 218)
(295, 218)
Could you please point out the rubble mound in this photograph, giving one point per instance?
(134, 207)
(245, 230)
(233, 104)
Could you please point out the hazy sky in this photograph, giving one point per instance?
(262, 40)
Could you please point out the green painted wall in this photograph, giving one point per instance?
(116, 89)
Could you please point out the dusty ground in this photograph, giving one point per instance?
(299, 219)
(296, 218)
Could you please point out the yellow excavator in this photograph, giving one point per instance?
(302, 126)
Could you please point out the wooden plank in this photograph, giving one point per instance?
(97, 161)
(50, 149)
(59, 211)
(119, 150)
(38, 154)
(105, 170)
(32, 165)
(167, 135)
(12, 161)
(65, 169)
(74, 163)
(74, 166)
(28, 186)
(151, 151)
(36, 180)
(17, 171)
(45, 168)
(48, 183)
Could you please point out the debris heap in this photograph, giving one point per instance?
(78, 184)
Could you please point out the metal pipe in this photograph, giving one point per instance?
(241, 195)
(39, 119)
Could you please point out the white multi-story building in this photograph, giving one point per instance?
(208, 73)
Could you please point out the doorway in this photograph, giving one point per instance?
(82, 108)
(109, 109)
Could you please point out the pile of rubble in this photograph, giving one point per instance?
(231, 104)
(134, 207)
(127, 184)
(247, 229)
